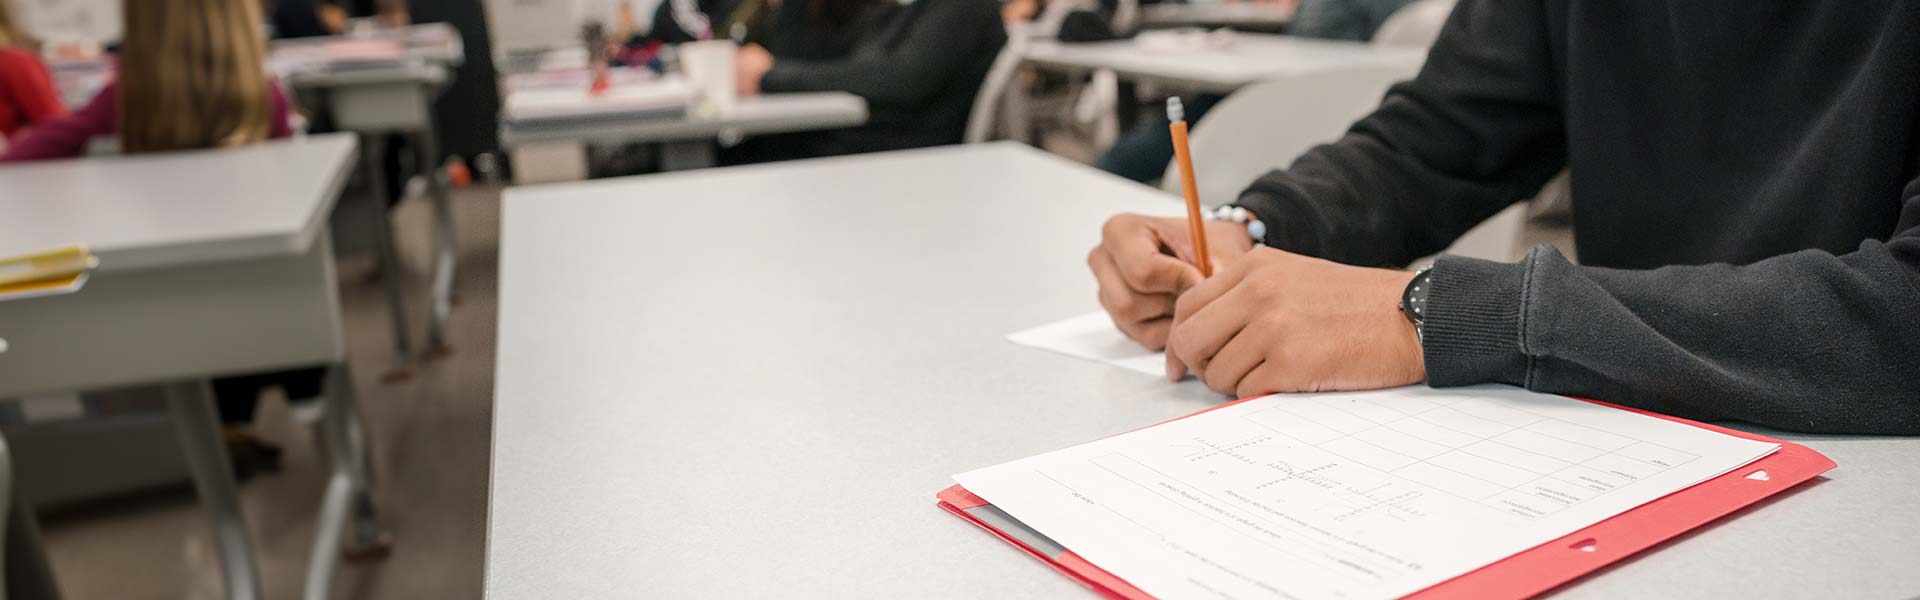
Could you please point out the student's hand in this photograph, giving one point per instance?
(750, 64)
(1019, 11)
(1280, 322)
(333, 18)
(1143, 263)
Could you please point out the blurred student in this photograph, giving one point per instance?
(191, 75)
(304, 18)
(821, 29)
(1142, 153)
(682, 21)
(1746, 205)
(27, 93)
(918, 71)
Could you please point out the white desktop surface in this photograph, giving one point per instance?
(153, 210)
(761, 114)
(1251, 58)
(750, 382)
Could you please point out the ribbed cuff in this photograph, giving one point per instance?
(1476, 317)
(1292, 224)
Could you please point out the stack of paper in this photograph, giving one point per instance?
(665, 98)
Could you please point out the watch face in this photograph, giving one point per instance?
(1414, 301)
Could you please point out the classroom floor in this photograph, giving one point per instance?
(430, 437)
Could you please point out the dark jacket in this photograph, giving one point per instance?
(919, 73)
(1744, 199)
(792, 32)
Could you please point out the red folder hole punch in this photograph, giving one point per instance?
(1587, 545)
(1760, 475)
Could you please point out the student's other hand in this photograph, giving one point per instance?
(750, 64)
(1274, 321)
(333, 18)
(1019, 11)
(1143, 263)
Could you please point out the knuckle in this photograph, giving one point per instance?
(1138, 271)
(1221, 385)
(1184, 306)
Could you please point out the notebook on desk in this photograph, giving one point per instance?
(47, 273)
(1484, 492)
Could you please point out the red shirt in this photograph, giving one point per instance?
(27, 95)
(67, 136)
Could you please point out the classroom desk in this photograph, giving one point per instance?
(1251, 58)
(212, 263)
(379, 98)
(1264, 16)
(688, 141)
(761, 402)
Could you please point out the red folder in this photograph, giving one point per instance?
(1543, 567)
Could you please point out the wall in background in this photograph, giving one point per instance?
(550, 23)
(61, 20)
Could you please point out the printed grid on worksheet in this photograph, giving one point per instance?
(1508, 458)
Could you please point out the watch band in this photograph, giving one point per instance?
(1413, 302)
(1256, 229)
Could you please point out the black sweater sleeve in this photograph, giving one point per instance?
(1809, 341)
(904, 65)
(1477, 130)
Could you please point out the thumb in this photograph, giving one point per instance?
(1176, 370)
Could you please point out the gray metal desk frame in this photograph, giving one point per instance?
(212, 262)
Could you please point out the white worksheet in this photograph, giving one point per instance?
(1093, 337)
(1350, 495)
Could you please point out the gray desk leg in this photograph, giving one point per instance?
(29, 576)
(372, 146)
(445, 252)
(191, 404)
(680, 156)
(347, 506)
(26, 574)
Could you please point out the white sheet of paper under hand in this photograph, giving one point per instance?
(1093, 337)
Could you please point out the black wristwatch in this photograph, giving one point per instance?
(1413, 302)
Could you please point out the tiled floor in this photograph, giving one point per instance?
(430, 439)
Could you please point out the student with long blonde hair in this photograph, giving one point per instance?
(191, 74)
(27, 95)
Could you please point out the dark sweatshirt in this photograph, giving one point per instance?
(918, 72)
(1744, 197)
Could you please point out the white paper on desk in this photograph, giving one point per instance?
(667, 96)
(1351, 495)
(1093, 337)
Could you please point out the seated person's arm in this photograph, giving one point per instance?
(1477, 130)
(66, 136)
(26, 82)
(909, 72)
(1807, 341)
